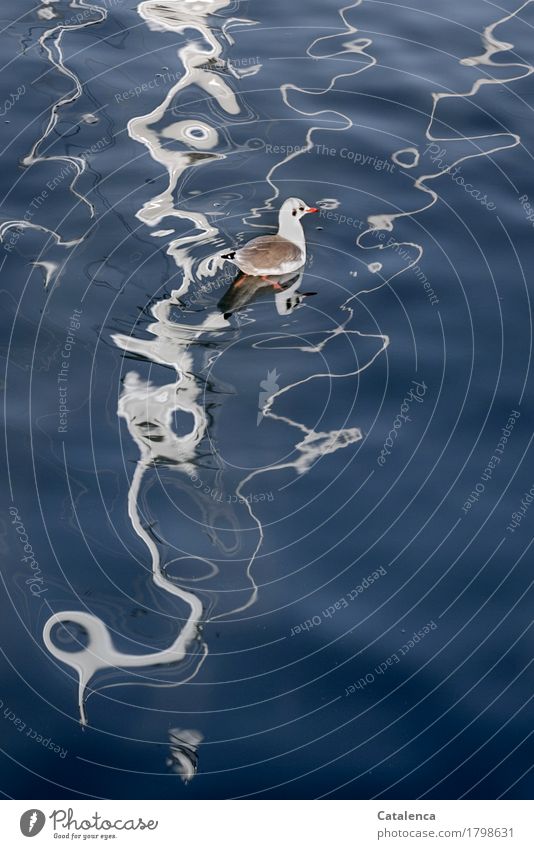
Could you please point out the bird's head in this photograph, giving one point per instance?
(296, 208)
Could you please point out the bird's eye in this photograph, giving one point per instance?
(301, 208)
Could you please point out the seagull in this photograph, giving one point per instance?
(282, 253)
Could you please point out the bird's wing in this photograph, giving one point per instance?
(269, 252)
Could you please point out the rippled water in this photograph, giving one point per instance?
(267, 540)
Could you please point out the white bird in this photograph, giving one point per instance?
(279, 254)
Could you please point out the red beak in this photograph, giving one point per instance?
(312, 209)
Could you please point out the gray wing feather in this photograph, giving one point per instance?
(269, 251)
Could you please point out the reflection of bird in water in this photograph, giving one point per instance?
(249, 287)
(281, 253)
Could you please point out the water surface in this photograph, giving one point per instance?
(273, 545)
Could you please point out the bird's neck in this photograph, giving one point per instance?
(290, 228)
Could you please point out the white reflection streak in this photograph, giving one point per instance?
(178, 16)
(315, 444)
(100, 652)
(148, 410)
(385, 221)
(50, 41)
(492, 46)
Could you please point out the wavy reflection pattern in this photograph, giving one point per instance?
(148, 409)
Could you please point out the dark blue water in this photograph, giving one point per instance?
(327, 593)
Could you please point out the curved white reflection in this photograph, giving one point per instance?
(100, 653)
(199, 59)
(51, 43)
